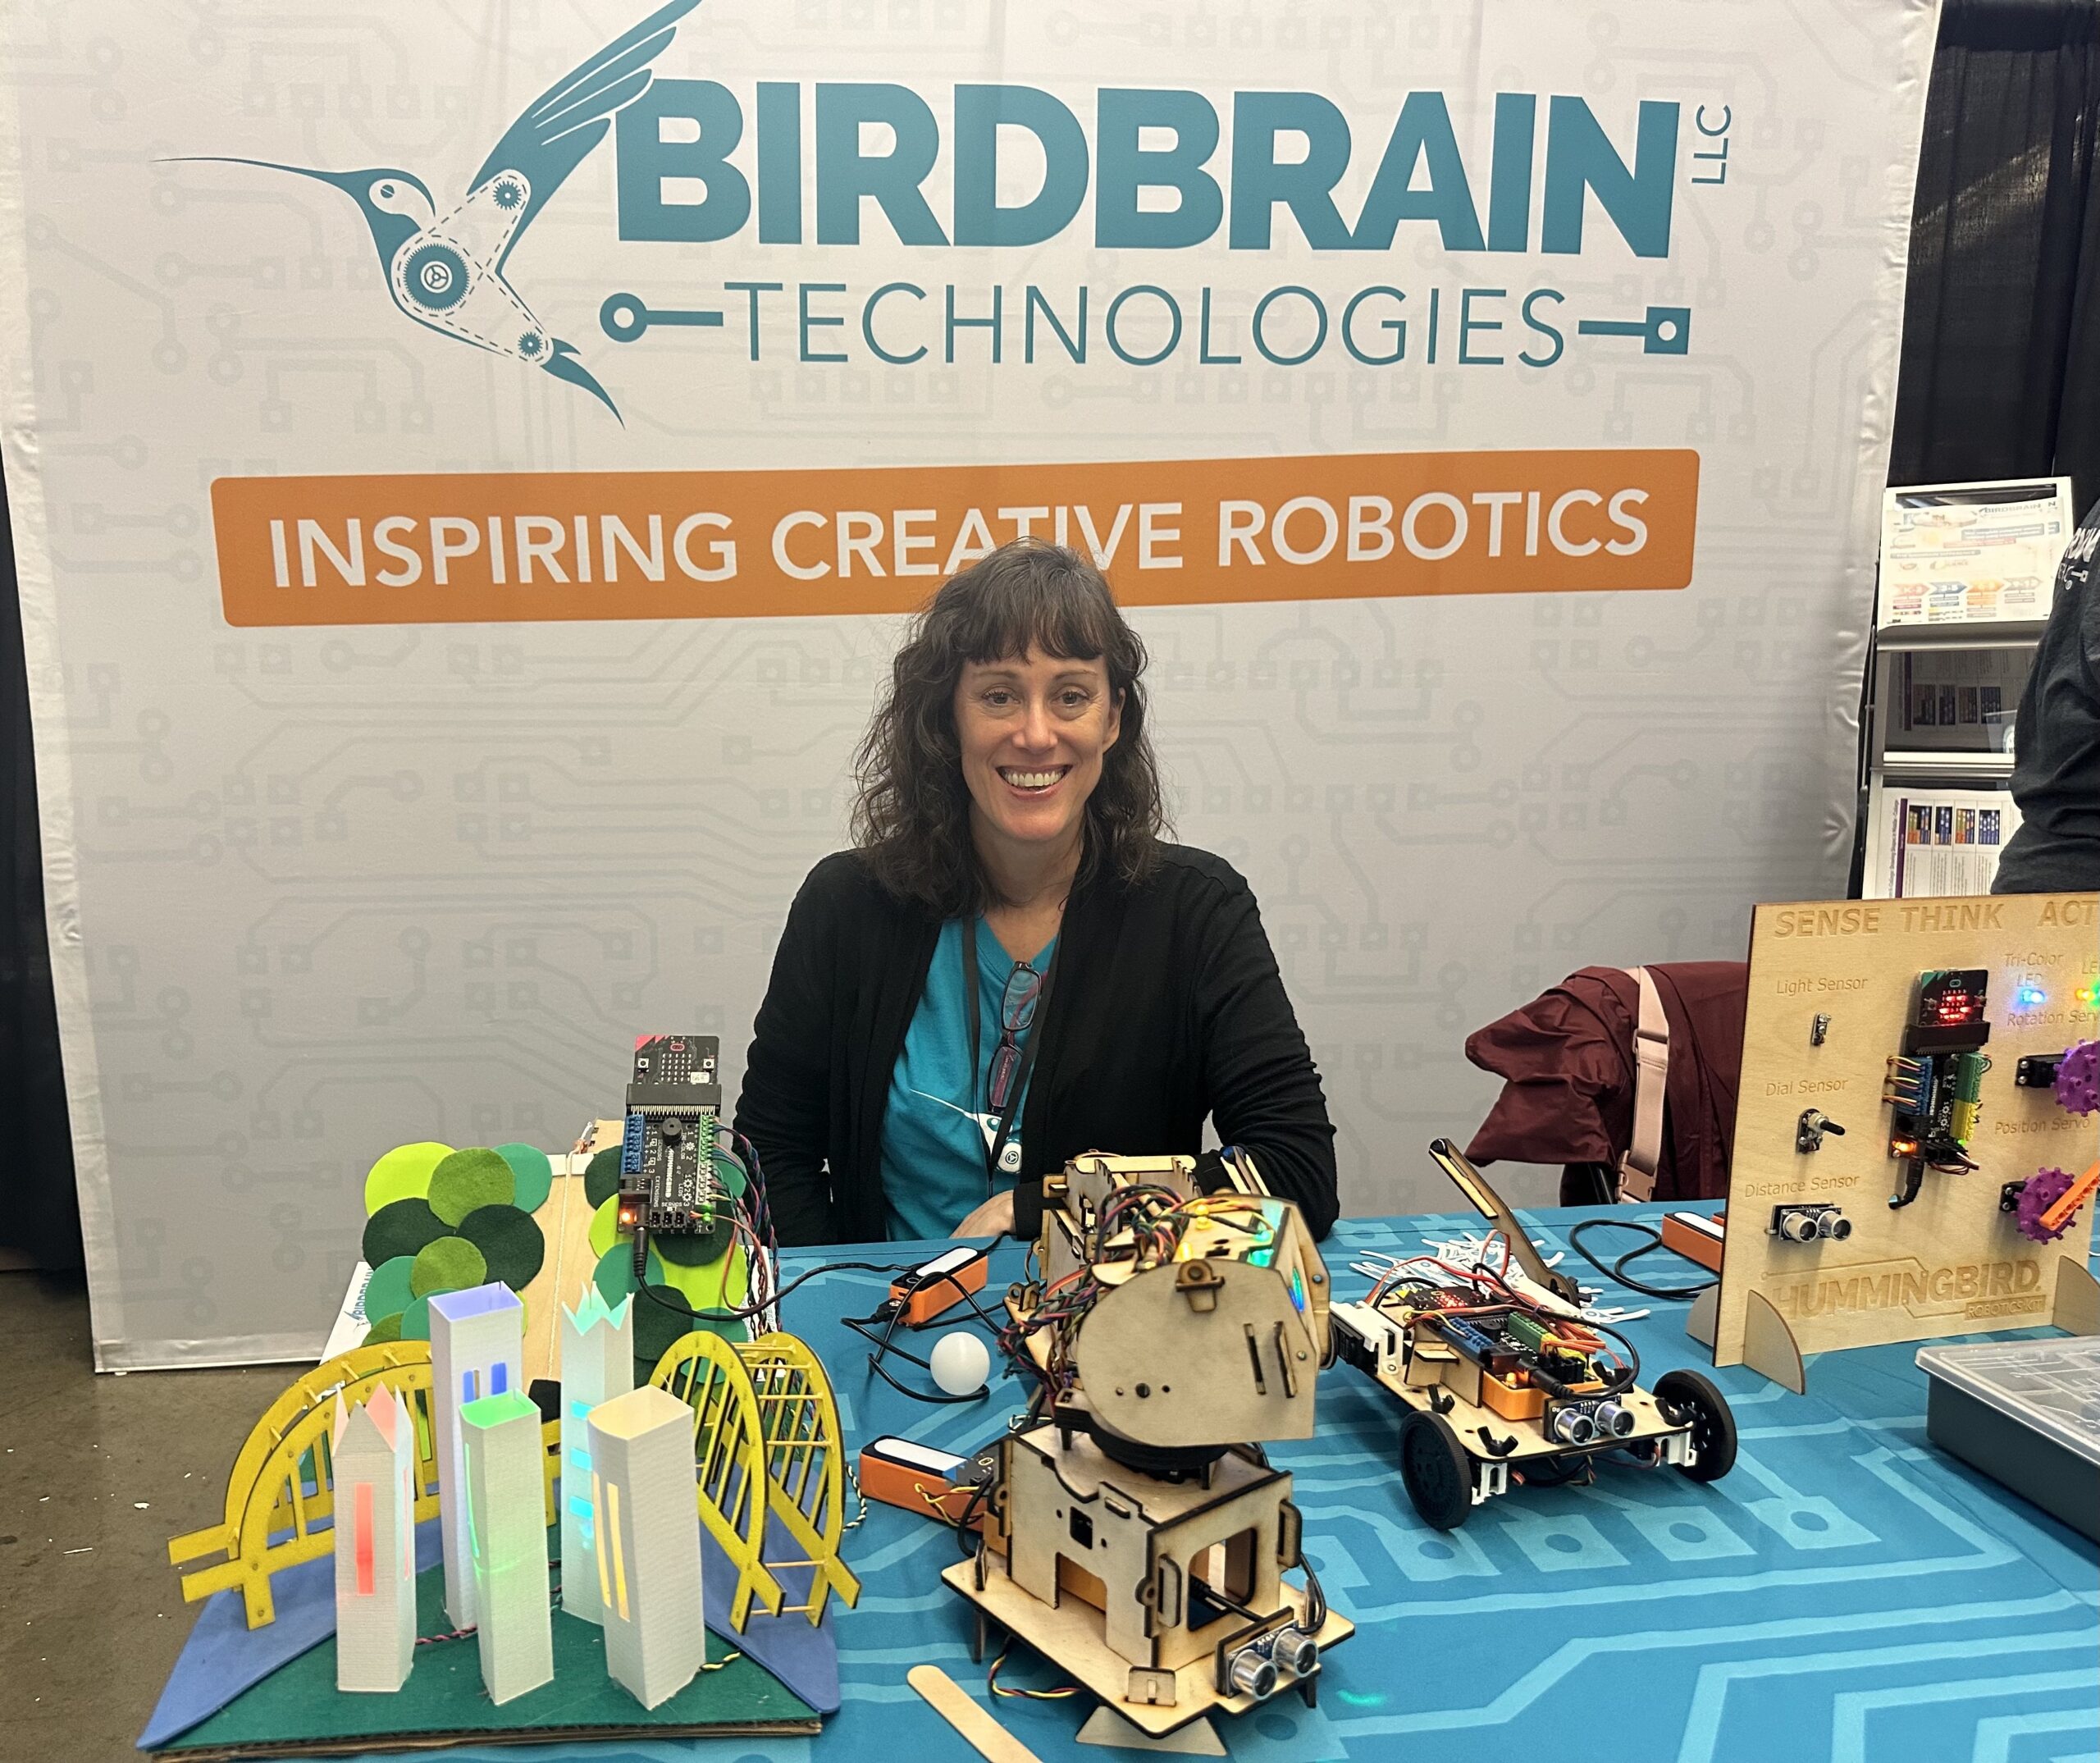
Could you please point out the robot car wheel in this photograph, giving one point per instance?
(1693, 1398)
(1438, 1473)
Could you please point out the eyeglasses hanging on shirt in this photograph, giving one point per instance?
(1026, 995)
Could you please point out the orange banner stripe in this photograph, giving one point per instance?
(527, 546)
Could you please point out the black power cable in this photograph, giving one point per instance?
(890, 1314)
(864, 1327)
(725, 1312)
(1617, 1269)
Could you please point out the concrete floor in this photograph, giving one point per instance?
(96, 1474)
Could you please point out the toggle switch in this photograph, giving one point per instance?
(1810, 1129)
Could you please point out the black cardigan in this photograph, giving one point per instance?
(1167, 1006)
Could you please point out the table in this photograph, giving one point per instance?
(1846, 1593)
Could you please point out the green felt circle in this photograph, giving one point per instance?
(414, 1321)
(402, 1173)
(387, 1292)
(601, 1176)
(604, 1225)
(614, 1274)
(468, 1179)
(451, 1264)
(660, 1319)
(385, 1329)
(729, 1329)
(725, 1285)
(722, 1284)
(401, 1227)
(535, 1174)
(510, 1244)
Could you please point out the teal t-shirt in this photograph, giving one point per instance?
(936, 1127)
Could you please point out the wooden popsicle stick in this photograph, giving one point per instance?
(953, 1703)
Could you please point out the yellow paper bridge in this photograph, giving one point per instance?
(281, 1496)
(764, 1418)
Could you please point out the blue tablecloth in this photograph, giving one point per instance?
(1846, 1593)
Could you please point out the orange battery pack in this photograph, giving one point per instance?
(918, 1478)
(938, 1285)
(1522, 1401)
(1696, 1236)
(1513, 1401)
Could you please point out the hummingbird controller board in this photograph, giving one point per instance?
(669, 1183)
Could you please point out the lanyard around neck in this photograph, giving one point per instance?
(1002, 1127)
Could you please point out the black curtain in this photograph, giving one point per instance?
(2001, 353)
(39, 1208)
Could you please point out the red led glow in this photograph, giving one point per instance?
(361, 1535)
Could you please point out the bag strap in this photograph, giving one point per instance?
(1651, 1060)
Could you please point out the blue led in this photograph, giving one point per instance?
(2030, 998)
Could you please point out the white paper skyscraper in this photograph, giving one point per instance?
(648, 1553)
(597, 1363)
(477, 1346)
(374, 1457)
(506, 1520)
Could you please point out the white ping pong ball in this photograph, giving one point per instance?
(961, 1362)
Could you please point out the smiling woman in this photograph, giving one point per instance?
(1013, 967)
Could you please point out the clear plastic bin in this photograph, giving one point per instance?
(2027, 1414)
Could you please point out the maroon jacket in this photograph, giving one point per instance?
(1567, 1058)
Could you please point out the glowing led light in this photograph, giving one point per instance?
(362, 1500)
(2030, 998)
(604, 1579)
(619, 1552)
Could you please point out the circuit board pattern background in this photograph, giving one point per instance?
(317, 893)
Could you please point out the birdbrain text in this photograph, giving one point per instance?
(890, 167)
(698, 162)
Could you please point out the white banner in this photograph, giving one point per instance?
(467, 469)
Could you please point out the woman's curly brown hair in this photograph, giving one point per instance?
(912, 817)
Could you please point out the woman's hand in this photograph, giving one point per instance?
(994, 1217)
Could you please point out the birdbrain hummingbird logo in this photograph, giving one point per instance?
(446, 270)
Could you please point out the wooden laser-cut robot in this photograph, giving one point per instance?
(1502, 1378)
(1138, 1535)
